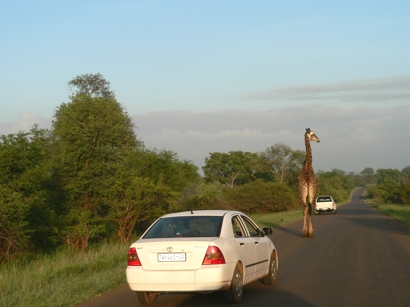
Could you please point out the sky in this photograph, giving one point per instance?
(221, 75)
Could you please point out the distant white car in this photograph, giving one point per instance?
(201, 251)
(325, 204)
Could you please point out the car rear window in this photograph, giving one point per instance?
(323, 199)
(185, 226)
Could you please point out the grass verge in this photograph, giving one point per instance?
(276, 219)
(399, 212)
(63, 279)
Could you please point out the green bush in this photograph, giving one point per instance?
(389, 191)
(260, 197)
(377, 194)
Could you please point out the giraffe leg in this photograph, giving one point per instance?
(310, 223)
(310, 204)
(303, 191)
(305, 230)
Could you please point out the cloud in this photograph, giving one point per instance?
(24, 123)
(370, 90)
(352, 137)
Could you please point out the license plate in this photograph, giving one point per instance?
(171, 257)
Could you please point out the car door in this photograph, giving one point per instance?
(246, 246)
(261, 246)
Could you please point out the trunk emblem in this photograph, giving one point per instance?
(170, 249)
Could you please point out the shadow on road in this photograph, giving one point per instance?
(381, 223)
(254, 295)
(297, 233)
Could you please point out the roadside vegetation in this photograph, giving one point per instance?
(390, 193)
(72, 198)
(67, 278)
(399, 212)
(63, 278)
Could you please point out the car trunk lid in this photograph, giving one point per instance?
(172, 254)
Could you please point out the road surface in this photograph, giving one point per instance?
(358, 257)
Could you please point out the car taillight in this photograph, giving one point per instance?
(133, 259)
(213, 256)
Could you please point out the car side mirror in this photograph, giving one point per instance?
(267, 231)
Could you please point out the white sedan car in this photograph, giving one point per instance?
(201, 251)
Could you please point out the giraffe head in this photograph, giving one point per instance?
(312, 136)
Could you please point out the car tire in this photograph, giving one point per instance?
(146, 298)
(235, 292)
(270, 279)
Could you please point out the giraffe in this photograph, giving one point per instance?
(307, 185)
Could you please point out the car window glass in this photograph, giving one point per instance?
(185, 226)
(237, 230)
(253, 232)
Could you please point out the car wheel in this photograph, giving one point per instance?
(146, 298)
(270, 279)
(235, 292)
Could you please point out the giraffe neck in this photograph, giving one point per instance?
(308, 161)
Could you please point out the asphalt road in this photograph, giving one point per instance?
(358, 257)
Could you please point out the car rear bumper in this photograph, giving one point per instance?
(207, 278)
(325, 210)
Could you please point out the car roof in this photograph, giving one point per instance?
(201, 213)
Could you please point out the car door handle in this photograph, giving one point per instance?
(241, 244)
(256, 242)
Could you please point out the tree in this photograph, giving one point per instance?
(27, 183)
(14, 230)
(93, 85)
(335, 183)
(388, 191)
(150, 184)
(405, 174)
(406, 192)
(167, 167)
(204, 196)
(135, 199)
(392, 186)
(368, 175)
(388, 173)
(367, 171)
(280, 160)
(91, 136)
(233, 168)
